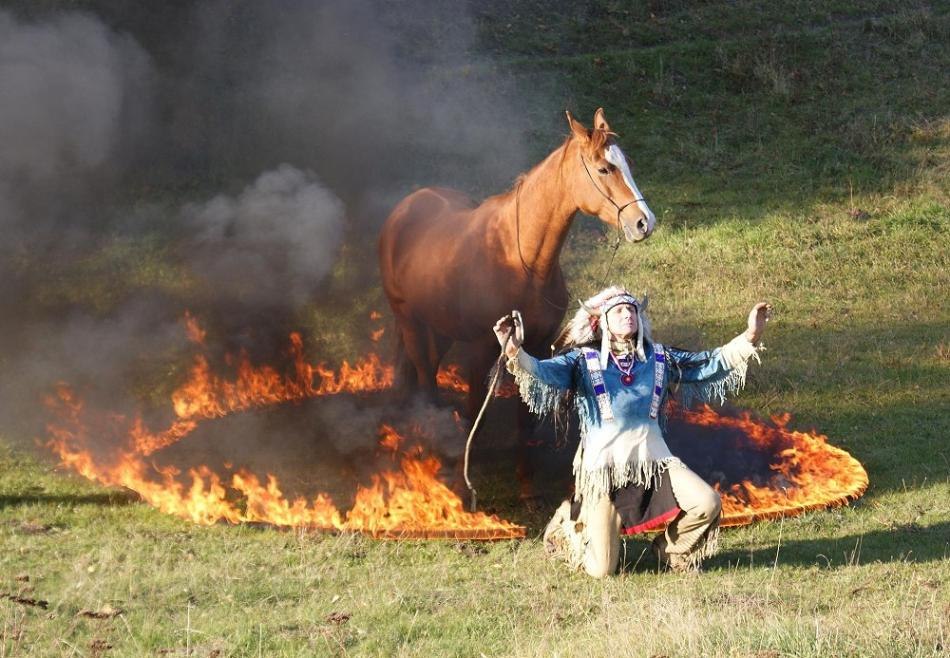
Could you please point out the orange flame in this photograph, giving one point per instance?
(205, 395)
(391, 439)
(809, 474)
(411, 502)
(408, 502)
(414, 502)
(196, 333)
(450, 378)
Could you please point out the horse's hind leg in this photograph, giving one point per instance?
(439, 345)
(417, 367)
(405, 369)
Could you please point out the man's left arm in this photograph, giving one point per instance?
(713, 365)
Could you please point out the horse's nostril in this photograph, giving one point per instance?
(642, 225)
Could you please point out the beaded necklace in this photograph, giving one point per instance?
(626, 378)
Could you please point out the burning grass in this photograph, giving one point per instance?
(403, 502)
(804, 471)
(405, 497)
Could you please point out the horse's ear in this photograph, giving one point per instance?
(577, 128)
(600, 121)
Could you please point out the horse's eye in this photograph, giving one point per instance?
(603, 171)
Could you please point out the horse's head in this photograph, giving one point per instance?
(603, 182)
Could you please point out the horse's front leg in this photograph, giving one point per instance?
(482, 358)
(527, 445)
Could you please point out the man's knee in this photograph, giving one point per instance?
(713, 505)
(603, 545)
(708, 505)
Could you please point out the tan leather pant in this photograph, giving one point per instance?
(685, 536)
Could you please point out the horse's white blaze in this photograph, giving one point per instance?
(616, 157)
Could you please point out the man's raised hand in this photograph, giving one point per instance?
(758, 317)
(507, 336)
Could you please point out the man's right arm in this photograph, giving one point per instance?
(557, 371)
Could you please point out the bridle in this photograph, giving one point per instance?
(617, 241)
(620, 210)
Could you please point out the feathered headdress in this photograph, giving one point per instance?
(590, 322)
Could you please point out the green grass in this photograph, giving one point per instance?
(795, 152)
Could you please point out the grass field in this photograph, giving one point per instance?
(797, 152)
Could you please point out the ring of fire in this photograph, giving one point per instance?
(806, 473)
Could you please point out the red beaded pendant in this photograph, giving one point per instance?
(626, 379)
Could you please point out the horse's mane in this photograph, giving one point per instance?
(599, 138)
(523, 176)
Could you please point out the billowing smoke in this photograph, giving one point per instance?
(372, 96)
(74, 103)
(75, 95)
(243, 144)
(274, 241)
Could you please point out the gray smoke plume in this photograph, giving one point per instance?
(276, 240)
(74, 99)
(74, 106)
(372, 96)
(246, 142)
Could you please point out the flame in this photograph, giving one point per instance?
(408, 502)
(205, 395)
(413, 502)
(450, 378)
(390, 439)
(807, 474)
(145, 442)
(405, 500)
(196, 333)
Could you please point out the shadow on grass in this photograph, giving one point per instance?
(105, 498)
(903, 543)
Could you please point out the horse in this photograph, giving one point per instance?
(451, 268)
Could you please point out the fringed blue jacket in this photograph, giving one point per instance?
(622, 440)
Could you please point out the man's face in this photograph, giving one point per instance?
(622, 321)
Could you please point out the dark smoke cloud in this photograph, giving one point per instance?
(355, 426)
(253, 139)
(369, 95)
(74, 103)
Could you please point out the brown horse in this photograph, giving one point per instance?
(450, 268)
